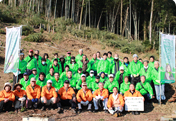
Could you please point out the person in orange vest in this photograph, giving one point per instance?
(20, 97)
(48, 95)
(115, 103)
(33, 94)
(132, 92)
(84, 97)
(6, 98)
(66, 97)
(100, 95)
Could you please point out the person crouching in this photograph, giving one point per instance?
(48, 95)
(20, 97)
(84, 97)
(115, 103)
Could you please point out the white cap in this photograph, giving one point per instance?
(121, 68)
(135, 55)
(7, 83)
(49, 81)
(21, 53)
(111, 75)
(83, 75)
(91, 71)
(33, 79)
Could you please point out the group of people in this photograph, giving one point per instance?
(77, 81)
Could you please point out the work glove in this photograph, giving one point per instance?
(36, 100)
(33, 100)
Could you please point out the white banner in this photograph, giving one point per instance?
(13, 36)
(134, 104)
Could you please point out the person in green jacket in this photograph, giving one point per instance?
(31, 62)
(57, 66)
(83, 79)
(126, 64)
(25, 81)
(21, 69)
(104, 65)
(68, 58)
(55, 57)
(43, 67)
(134, 69)
(120, 75)
(37, 58)
(71, 79)
(37, 53)
(90, 79)
(111, 83)
(57, 82)
(64, 74)
(79, 56)
(116, 64)
(125, 85)
(94, 63)
(95, 84)
(46, 56)
(103, 77)
(77, 76)
(84, 64)
(146, 71)
(145, 89)
(73, 65)
(34, 74)
(156, 80)
(50, 76)
(110, 58)
(152, 60)
(41, 81)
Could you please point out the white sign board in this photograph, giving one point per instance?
(134, 104)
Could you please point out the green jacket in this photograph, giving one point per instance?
(31, 63)
(95, 85)
(117, 76)
(24, 83)
(80, 63)
(22, 66)
(52, 61)
(124, 87)
(94, 64)
(67, 59)
(72, 82)
(113, 66)
(49, 77)
(103, 80)
(79, 57)
(103, 66)
(79, 83)
(146, 74)
(57, 68)
(34, 76)
(63, 75)
(111, 59)
(41, 83)
(57, 84)
(77, 76)
(126, 69)
(43, 68)
(73, 67)
(134, 68)
(48, 62)
(147, 87)
(155, 76)
(110, 85)
(151, 64)
(89, 81)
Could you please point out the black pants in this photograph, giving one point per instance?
(19, 104)
(135, 80)
(20, 76)
(6, 106)
(67, 103)
(31, 104)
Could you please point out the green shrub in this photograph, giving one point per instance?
(42, 30)
(36, 20)
(57, 36)
(2, 32)
(125, 50)
(26, 30)
(36, 37)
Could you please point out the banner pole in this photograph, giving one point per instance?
(160, 64)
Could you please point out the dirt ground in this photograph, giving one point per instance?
(152, 111)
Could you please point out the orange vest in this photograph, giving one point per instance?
(19, 94)
(9, 95)
(64, 95)
(48, 94)
(81, 96)
(115, 103)
(135, 94)
(32, 94)
(103, 93)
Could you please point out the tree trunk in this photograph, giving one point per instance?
(121, 17)
(73, 10)
(81, 14)
(99, 20)
(134, 13)
(145, 26)
(125, 21)
(85, 19)
(150, 27)
(89, 15)
(62, 11)
(164, 23)
(55, 9)
(66, 9)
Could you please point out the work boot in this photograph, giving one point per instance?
(58, 110)
(172, 100)
(79, 111)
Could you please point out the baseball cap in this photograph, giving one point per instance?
(111, 76)
(25, 74)
(83, 75)
(49, 81)
(66, 81)
(31, 50)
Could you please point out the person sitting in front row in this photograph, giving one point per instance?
(115, 103)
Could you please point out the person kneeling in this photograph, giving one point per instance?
(6, 98)
(20, 97)
(84, 97)
(66, 97)
(48, 96)
(115, 103)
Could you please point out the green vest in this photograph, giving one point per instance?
(24, 83)
(110, 85)
(41, 83)
(124, 87)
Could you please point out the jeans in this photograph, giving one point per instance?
(95, 101)
(89, 105)
(19, 104)
(157, 89)
(115, 109)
